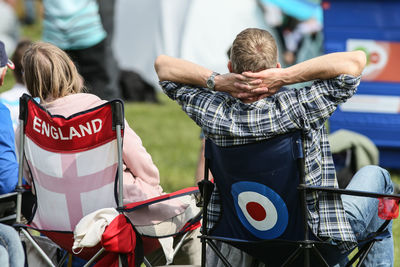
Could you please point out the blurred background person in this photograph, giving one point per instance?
(9, 25)
(76, 27)
(298, 24)
(29, 17)
(11, 97)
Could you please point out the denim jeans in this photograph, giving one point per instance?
(362, 213)
(11, 251)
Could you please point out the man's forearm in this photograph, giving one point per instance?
(180, 71)
(326, 67)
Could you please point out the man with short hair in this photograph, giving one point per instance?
(247, 105)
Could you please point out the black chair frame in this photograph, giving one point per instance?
(306, 247)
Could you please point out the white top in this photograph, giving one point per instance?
(10, 99)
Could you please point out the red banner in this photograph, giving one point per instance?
(78, 132)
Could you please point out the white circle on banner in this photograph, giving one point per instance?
(265, 222)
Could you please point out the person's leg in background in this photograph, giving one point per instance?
(200, 163)
(92, 65)
(107, 14)
(11, 250)
(362, 212)
(30, 12)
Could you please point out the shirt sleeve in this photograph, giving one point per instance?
(310, 107)
(220, 114)
(138, 161)
(194, 100)
(8, 159)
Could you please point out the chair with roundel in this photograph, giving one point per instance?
(76, 168)
(262, 203)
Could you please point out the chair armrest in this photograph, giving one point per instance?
(140, 204)
(348, 192)
(8, 195)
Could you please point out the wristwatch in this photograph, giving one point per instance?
(210, 81)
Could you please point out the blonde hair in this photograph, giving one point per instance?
(49, 72)
(253, 50)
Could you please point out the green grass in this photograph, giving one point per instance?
(396, 224)
(171, 138)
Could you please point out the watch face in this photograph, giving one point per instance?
(210, 83)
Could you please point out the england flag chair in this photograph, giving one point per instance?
(262, 194)
(76, 168)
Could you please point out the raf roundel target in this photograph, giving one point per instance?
(260, 209)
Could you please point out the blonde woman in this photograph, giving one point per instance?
(51, 76)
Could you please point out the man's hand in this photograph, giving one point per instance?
(240, 86)
(323, 67)
(270, 78)
(251, 86)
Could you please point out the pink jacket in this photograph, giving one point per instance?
(141, 176)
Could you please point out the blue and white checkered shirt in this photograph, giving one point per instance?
(228, 121)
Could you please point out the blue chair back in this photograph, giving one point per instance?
(258, 188)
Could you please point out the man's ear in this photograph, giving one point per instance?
(278, 65)
(230, 66)
(2, 75)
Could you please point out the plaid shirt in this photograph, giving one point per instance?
(228, 121)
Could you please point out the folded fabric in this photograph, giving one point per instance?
(89, 230)
(118, 238)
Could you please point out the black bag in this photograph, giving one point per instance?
(135, 88)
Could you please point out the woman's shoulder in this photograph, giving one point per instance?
(73, 103)
(87, 98)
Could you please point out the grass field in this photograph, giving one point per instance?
(171, 138)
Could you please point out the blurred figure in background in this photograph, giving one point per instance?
(9, 25)
(11, 97)
(299, 24)
(107, 13)
(29, 12)
(76, 27)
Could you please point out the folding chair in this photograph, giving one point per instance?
(262, 193)
(76, 168)
(7, 210)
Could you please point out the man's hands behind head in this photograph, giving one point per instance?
(250, 86)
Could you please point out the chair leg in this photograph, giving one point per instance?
(63, 259)
(179, 245)
(306, 249)
(306, 252)
(146, 262)
(94, 257)
(365, 253)
(219, 254)
(203, 252)
(36, 246)
(361, 254)
(292, 257)
(320, 257)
